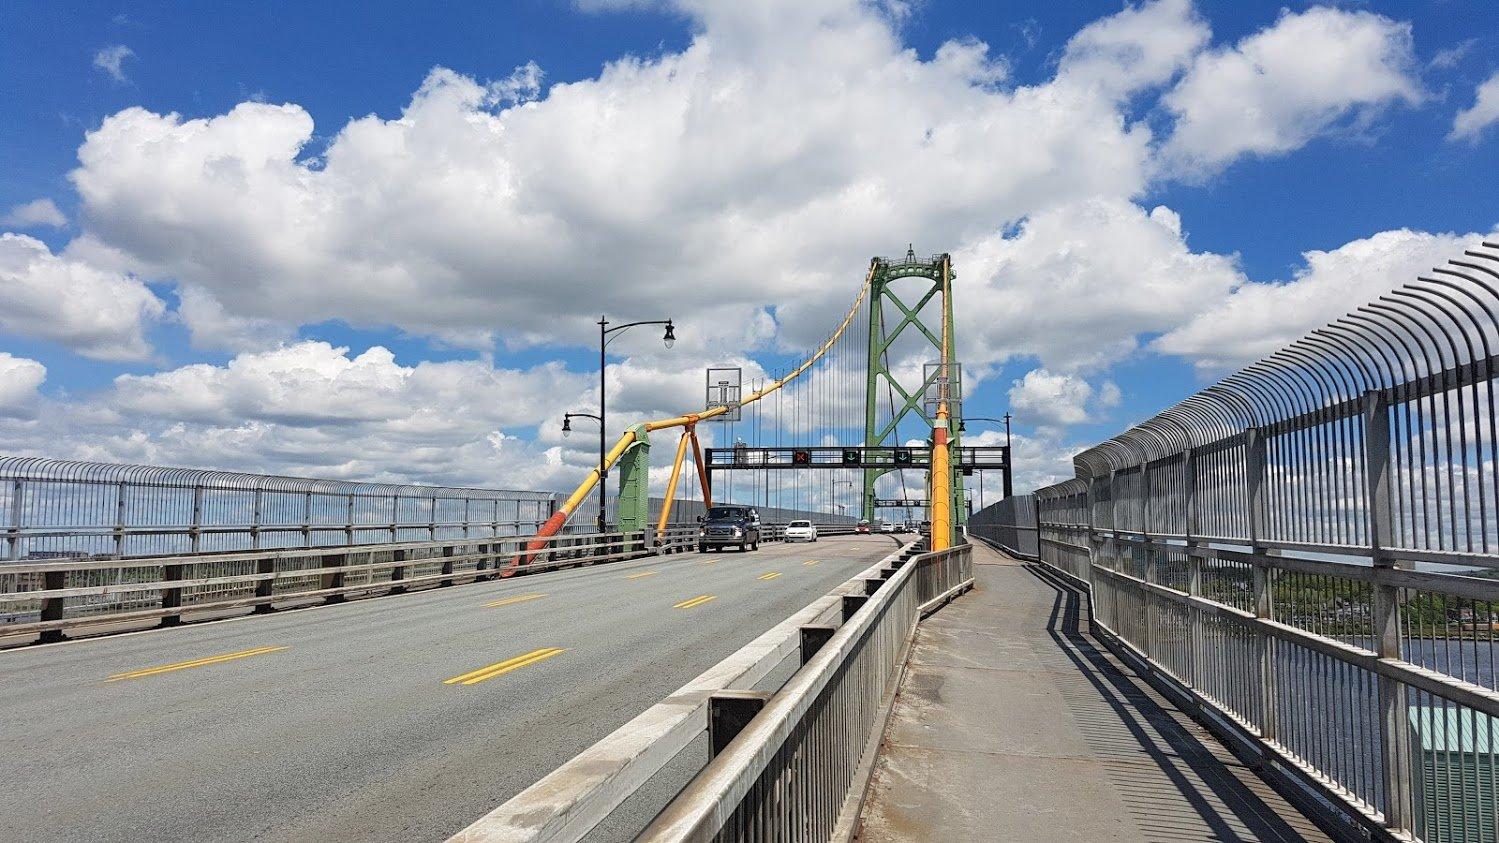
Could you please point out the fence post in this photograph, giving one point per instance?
(53, 607)
(120, 519)
(195, 533)
(267, 587)
(1394, 717)
(1264, 580)
(349, 522)
(171, 598)
(398, 573)
(255, 526)
(17, 507)
(336, 578)
(1194, 563)
(447, 566)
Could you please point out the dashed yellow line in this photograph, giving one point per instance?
(204, 662)
(709, 561)
(640, 574)
(811, 561)
(770, 576)
(696, 601)
(508, 601)
(474, 677)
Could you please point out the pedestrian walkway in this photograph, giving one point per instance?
(1011, 723)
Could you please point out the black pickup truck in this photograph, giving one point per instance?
(726, 525)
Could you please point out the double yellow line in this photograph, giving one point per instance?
(519, 598)
(811, 561)
(696, 601)
(168, 668)
(770, 576)
(474, 677)
(641, 574)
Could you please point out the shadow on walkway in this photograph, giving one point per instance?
(1012, 723)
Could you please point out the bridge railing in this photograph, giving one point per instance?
(844, 650)
(57, 508)
(1308, 551)
(795, 769)
(44, 598)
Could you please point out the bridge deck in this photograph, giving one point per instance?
(1012, 723)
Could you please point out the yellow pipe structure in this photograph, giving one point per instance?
(564, 512)
(941, 466)
(671, 484)
(703, 481)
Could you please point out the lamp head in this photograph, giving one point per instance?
(671, 335)
(567, 426)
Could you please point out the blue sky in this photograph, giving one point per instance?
(1342, 169)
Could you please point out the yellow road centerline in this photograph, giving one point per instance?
(203, 662)
(519, 598)
(770, 576)
(474, 677)
(637, 576)
(709, 561)
(696, 601)
(811, 561)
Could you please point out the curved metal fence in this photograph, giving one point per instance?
(1310, 549)
(56, 508)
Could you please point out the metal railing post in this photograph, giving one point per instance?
(1264, 580)
(17, 507)
(1194, 562)
(195, 539)
(120, 519)
(1394, 717)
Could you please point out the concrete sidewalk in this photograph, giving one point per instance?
(1012, 724)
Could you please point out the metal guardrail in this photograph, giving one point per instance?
(1308, 550)
(52, 508)
(572, 800)
(45, 598)
(1009, 524)
(791, 771)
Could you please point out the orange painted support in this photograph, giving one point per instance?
(702, 469)
(671, 484)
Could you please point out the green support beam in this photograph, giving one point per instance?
(880, 376)
(634, 503)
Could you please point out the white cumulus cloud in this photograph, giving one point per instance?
(19, 379)
(1260, 317)
(38, 212)
(95, 312)
(1277, 89)
(1470, 122)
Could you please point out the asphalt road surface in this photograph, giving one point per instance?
(399, 718)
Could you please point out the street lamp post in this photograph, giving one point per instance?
(670, 339)
(1009, 488)
(834, 491)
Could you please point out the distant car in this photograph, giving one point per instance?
(911, 527)
(887, 527)
(801, 531)
(861, 527)
(729, 525)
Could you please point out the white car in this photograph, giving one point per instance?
(801, 531)
(887, 527)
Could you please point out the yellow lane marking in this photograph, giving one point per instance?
(770, 576)
(519, 598)
(168, 668)
(696, 601)
(811, 561)
(474, 677)
(641, 574)
(709, 561)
